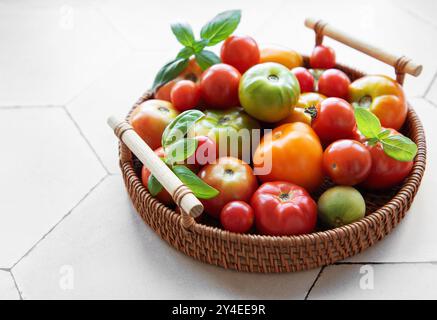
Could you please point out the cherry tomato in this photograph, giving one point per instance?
(322, 57)
(334, 83)
(287, 57)
(240, 52)
(234, 180)
(205, 153)
(237, 216)
(219, 86)
(283, 209)
(185, 95)
(347, 162)
(305, 78)
(334, 120)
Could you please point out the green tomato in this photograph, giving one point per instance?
(268, 91)
(224, 127)
(341, 205)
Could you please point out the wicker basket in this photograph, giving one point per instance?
(257, 253)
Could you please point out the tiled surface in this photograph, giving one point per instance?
(65, 216)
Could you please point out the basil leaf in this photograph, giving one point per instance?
(169, 71)
(221, 26)
(399, 147)
(199, 45)
(200, 189)
(206, 59)
(367, 123)
(153, 185)
(178, 128)
(185, 53)
(183, 33)
(384, 134)
(181, 150)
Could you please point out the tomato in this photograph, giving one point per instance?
(322, 57)
(150, 118)
(309, 99)
(347, 162)
(385, 172)
(234, 180)
(240, 52)
(185, 95)
(219, 86)
(334, 120)
(283, 209)
(292, 153)
(298, 114)
(305, 78)
(334, 83)
(206, 151)
(382, 96)
(287, 57)
(268, 91)
(237, 216)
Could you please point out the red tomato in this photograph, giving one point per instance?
(283, 208)
(334, 83)
(206, 151)
(234, 180)
(347, 162)
(237, 216)
(334, 120)
(305, 78)
(219, 86)
(185, 95)
(240, 52)
(322, 57)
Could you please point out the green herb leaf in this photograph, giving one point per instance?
(367, 123)
(185, 53)
(154, 185)
(183, 33)
(399, 147)
(170, 71)
(206, 58)
(181, 150)
(221, 26)
(200, 189)
(199, 45)
(383, 134)
(178, 128)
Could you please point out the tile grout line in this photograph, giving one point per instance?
(432, 103)
(20, 294)
(417, 16)
(314, 283)
(428, 88)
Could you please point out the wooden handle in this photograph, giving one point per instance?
(401, 64)
(182, 195)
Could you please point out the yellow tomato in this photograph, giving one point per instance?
(284, 56)
(306, 100)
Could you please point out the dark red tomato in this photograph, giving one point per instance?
(283, 208)
(305, 78)
(322, 57)
(219, 86)
(241, 52)
(237, 216)
(385, 172)
(347, 162)
(185, 95)
(334, 120)
(206, 152)
(334, 83)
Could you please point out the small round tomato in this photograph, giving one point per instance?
(347, 162)
(237, 216)
(240, 52)
(185, 95)
(205, 153)
(219, 86)
(334, 120)
(233, 179)
(283, 209)
(322, 57)
(305, 78)
(287, 57)
(334, 83)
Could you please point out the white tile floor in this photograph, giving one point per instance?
(64, 214)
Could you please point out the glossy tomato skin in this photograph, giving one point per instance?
(219, 86)
(334, 83)
(283, 209)
(305, 78)
(287, 57)
(234, 180)
(205, 153)
(347, 162)
(237, 216)
(241, 52)
(298, 114)
(334, 120)
(322, 57)
(185, 95)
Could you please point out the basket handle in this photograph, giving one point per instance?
(402, 64)
(190, 206)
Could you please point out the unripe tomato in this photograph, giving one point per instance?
(240, 52)
(237, 216)
(334, 83)
(305, 78)
(185, 95)
(322, 57)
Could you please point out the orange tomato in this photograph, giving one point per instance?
(291, 152)
(298, 114)
(287, 57)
